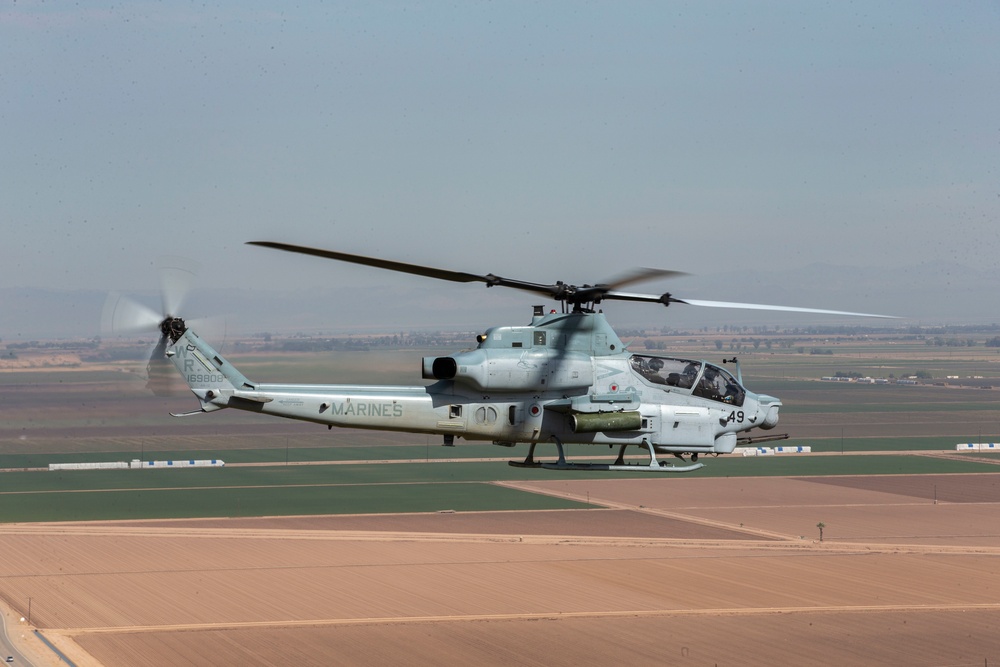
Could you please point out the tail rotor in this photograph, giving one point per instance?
(123, 315)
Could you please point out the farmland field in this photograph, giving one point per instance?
(319, 547)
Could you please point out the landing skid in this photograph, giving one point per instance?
(638, 467)
(619, 465)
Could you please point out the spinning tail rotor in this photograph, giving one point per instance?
(123, 315)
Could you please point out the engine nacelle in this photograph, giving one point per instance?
(503, 370)
(466, 367)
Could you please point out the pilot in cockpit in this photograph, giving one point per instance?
(688, 376)
(651, 369)
(707, 386)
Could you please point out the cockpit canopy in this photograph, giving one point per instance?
(697, 377)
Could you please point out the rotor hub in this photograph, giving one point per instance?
(173, 328)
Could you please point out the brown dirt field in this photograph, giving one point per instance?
(786, 638)
(668, 575)
(587, 523)
(943, 488)
(878, 509)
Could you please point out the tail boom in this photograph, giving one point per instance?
(218, 384)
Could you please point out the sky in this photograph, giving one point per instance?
(536, 140)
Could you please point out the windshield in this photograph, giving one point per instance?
(672, 372)
(715, 383)
(718, 385)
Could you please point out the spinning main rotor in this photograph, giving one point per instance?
(581, 298)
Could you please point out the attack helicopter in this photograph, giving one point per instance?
(563, 378)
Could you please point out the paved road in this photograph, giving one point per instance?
(7, 646)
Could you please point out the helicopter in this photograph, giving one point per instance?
(563, 378)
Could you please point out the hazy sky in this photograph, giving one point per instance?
(549, 140)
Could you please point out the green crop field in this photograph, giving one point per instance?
(278, 500)
(281, 490)
(89, 414)
(272, 455)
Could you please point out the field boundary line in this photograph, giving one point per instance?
(554, 616)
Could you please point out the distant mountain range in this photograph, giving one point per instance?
(930, 294)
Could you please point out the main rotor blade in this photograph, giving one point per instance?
(665, 299)
(555, 291)
(640, 275)
(668, 299)
(558, 291)
(402, 267)
(790, 309)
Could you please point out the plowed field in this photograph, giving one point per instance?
(675, 571)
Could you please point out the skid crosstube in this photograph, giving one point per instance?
(619, 465)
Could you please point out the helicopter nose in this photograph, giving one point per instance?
(768, 411)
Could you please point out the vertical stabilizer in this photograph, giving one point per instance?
(212, 379)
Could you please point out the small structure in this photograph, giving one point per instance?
(189, 463)
(136, 464)
(978, 447)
